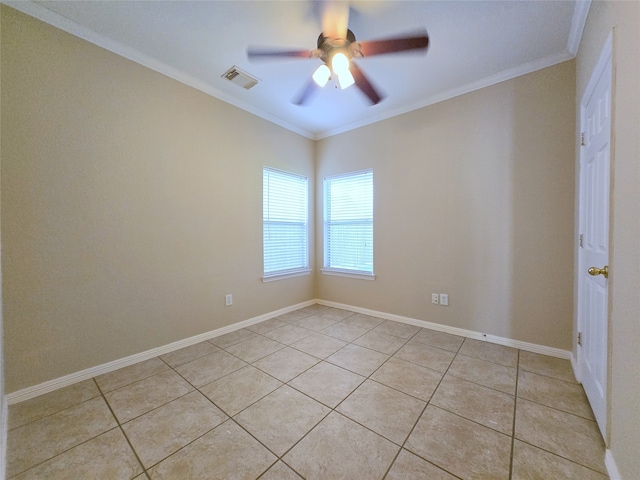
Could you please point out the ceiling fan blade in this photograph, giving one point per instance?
(258, 53)
(364, 85)
(307, 93)
(335, 19)
(391, 45)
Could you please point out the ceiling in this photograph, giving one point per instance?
(473, 44)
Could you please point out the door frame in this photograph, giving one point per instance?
(606, 55)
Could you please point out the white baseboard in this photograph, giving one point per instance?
(529, 347)
(612, 468)
(57, 383)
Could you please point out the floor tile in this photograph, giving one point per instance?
(380, 342)
(358, 359)
(484, 373)
(105, 456)
(313, 309)
(344, 331)
(288, 334)
(569, 436)
(267, 325)
(231, 338)
(565, 396)
(384, 410)
(286, 363)
(291, 317)
(409, 466)
(255, 348)
(340, 449)
(549, 366)
(209, 368)
(163, 431)
(280, 400)
(335, 314)
(531, 463)
(430, 357)
(363, 321)
(446, 341)
(280, 472)
(327, 383)
(225, 452)
(397, 329)
(140, 397)
(315, 323)
(31, 444)
(319, 345)
(408, 377)
(474, 402)
(460, 446)
(132, 373)
(52, 402)
(187, 354)
(236, 391)
(281, 418)
(490, 352)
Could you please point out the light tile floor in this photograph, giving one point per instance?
(318, 393)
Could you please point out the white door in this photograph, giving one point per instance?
(594, 240)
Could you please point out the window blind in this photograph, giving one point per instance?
(348, 222)
(284, 215)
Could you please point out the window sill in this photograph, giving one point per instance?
(282, 276)
(349, 274)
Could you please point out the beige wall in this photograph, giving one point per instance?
(624, 296)
(474, 198)
(130, 205)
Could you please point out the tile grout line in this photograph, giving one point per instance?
(402, 447)
(331, 410)
(515, 412)
(144, 470)
(279, 458)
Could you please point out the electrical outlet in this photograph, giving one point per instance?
(228, 300)
(434, 298)
(444, 299)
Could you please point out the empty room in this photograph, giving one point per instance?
(320, 240)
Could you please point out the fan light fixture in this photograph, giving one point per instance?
(322, 75)
(338, 50)
(340, 67)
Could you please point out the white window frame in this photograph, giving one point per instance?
(345, 272)
(289, 272)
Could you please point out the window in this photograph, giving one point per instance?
(284, 220)
(348, 224)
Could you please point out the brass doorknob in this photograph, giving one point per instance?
(595, 271)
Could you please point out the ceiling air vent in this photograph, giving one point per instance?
(237, 76)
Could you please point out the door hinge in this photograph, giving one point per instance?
(580, 241)
(580, 338)
(582, 139)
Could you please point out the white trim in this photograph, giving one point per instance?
(612, 468)
(348, 273)
(57, 383)
(454, 92)
(579, 20)
(42, 13)
(596, 73)
(52, 18)
(529, 347)
(282, 276)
